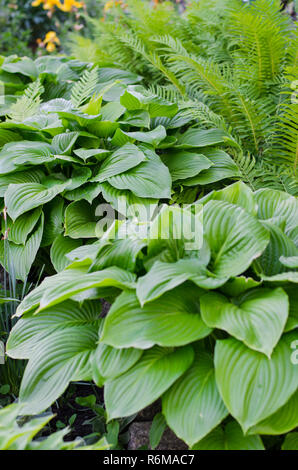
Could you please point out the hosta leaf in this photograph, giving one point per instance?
(23, 226)
(230, 438)
(163, 277)
(126, 157)
(54, 218)
(62, 357)
(280, 244)
(184, 164)
(108, 363)
(112, 111)
(292, 322)
(235, 237)
(7, 136)
(88, 192)
(238, 285)
(85, 154)
(33, 175)
(122, 253)
(18, 259)
(80, 220)
(284, 420)
(30, 331)
(257, 318)
(289, 261)
(78, 282)
(63, 143)
(275, 204)
(153, 137)
(150, 179)
(24, 66)
(223, 167)
(172, 320)
(18, 155)
(250, 383)
(60, 247)
(193, 406)
(136, 119)
(20, 198)
(149, 378)
(238, 193)
(200, 138)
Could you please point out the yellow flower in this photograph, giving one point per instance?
(111, 3)
(68, 5)
(51, 36)
(36, 3)
(50, 47)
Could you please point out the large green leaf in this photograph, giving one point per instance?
(54, 218)
(18, 259)
(200, 138)
(18, 155)
(275, 204)
(291, 441)
(108, 362)
(193, 406)
(230, 438)
(223, 167)
(126, 157)
(59, 249)
(153, 137)
(250, 383)
(80, 220)
(257, 318)
(34, 175)
(238, 193)
(184, 164)
(284, 420)
(20, 198)
(163, 277)
(235, 237)
(30, 331)
(149, 179)
(172, 320)
(60, 358)
(149, 378)
(23, 226)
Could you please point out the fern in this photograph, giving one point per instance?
(28, 104)
(84, 88)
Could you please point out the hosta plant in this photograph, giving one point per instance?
(210, 329)
(75, 136)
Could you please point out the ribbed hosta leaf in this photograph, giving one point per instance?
(163, 277)
(80, 221)
(172, 320)
(238, 193)
(193, 406)
(257, 318)
(63, 143)
(230, 438)
(200, 138)
(126, 157)
(153, 137)
(149, 179)
(292, 322)
(250, 383)
(280, 244)
(18, 155)
(185, 164)
(60, 358)
(23, 226)
(18, 259)
(108, 363)
(223, 167)
(284, 420)
(61, 246)
(27, 176)
(54, 218)
(146, 381)
(30, 331)
(289, 261)
(275, 204)
(55, 289)
(235, 237)
(20, 198)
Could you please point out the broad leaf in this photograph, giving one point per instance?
(149, 378)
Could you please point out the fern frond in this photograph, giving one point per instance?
(84, 88)
(27, 105)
